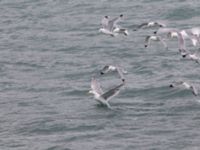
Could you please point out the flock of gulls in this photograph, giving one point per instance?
(109, 26)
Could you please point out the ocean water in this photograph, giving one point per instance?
(49, 51)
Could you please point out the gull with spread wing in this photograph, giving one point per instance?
(111, 68)
(192, 56)
(184, 85)
(110, 27)
(154, 38)
(150, 24)
(103, 97)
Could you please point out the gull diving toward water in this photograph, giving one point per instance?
(103, 97)
(184, 85)
(150, 24)
(154, 38)
(112, 68)
(111, 28)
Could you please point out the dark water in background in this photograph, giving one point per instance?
(48, 53)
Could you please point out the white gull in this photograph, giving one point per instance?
(103, 97)
(110, 27)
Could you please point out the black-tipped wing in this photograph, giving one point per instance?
(166, 30)
(142, 25)
(112, 23)
(112, 92)
(104, 70)
(120, 72)
(104, 22)
(194, 90)
(147, 41)
(161, 23)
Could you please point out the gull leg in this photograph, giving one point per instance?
(108, 105)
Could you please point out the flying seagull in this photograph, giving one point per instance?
(194, 31)
(186, 34)
(112, 68)
(110, 27)
(154, 38)
(103, 97)
(184, 85)
(194, 35)
(191, 56)
(173, 32)
(150, 24)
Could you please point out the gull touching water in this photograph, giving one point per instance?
(110, 27)
(154, 38)
(112, 68)
(103, 97)
(184, 85)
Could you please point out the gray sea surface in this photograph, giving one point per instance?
(50, 49)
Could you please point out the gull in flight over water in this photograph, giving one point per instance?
(192, 34)
(150, 24)
(187, 34)
(154, 38)
(191, 56)
(173, 32)
(112, 68)
(104, 97)
(184, 85)
(181, 44)
(110, 27)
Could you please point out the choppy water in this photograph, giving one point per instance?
(48, 53)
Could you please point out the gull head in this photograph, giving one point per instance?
(184, 55)
(126, 32)
(102, 73)
(172, 34)
(101, 30)
(91, 92)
